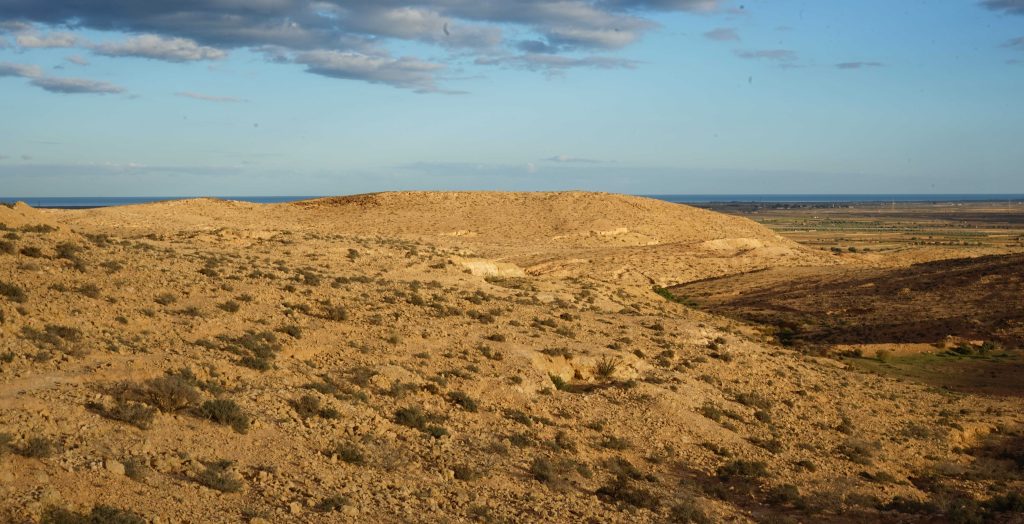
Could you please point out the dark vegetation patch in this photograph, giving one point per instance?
(220, 476)
(904, 305)
(227, 413)
(100, 514)
(414, 417)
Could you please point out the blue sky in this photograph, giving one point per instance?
(292, 97)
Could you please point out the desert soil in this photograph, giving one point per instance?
(453, 357)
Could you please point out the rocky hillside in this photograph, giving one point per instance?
(425, 357)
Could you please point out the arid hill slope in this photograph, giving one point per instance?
(970, 298)
(368, 359)
(616, 237)
(563, 219)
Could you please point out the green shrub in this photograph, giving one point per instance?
(620, 467)
(100, 514)
(858, 451)
(38, 228)
(226, 412)
(332, 503)
(350, 453)
(845, 426)
(563, 441)
(465, 472)
(230, 306)
(335, 312)
(563, 352)
(219, 476)
(32, 252)
(622, 490)
(191, 311)
(412, 417)
(112, 266)
(165, 299)
(613, 442)
(742, 469)
(67, 250)
(37, 447)
(435, 431)
(605, 368)
(257, 363)
(711, 411)
(307, 406)
(170, 393)
(13, 293)
(806, 465)
(753, 400)
(671, 297)
(518, 416)
(462, 399)
(136, 469)
(136, 414)
(1010, 502)
(687, 511)
(543, 470)
(786, 494)
(559, 382)
(773, 445)
(291, 330)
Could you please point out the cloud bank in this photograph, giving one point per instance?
(1015, 7)
(353, 39)
(159, 48)
(53, 84)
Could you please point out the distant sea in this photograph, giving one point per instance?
(91, 202)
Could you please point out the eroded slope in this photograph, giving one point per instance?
(214, 362)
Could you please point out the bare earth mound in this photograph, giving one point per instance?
(614, 237)
(446, 357)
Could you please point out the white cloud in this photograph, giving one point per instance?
(56, 84)
(75, 85)
(557, 64)
(159, 48)
(777, 55)
(405, 72)
(858, 65)
(354, 39)
(20, 70)
(208, 98)
(722, 34)
(46, 41)
(567, 159)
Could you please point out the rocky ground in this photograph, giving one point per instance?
(448, 357)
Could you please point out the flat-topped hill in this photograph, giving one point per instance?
(498, 217)
(559, 217)
(618, 236)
